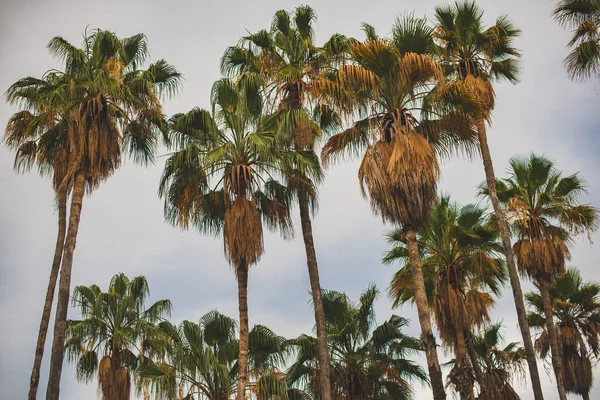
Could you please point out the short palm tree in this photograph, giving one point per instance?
(106, 341)
(459, 254)
(202, 360)
(544, 212)
(368, 361)
(576, 310)
(39, 135)
(231, 150)
(114, 108)
(407, 117)
(289, 64)
(583, 17)
(476, 56)
(500, 365)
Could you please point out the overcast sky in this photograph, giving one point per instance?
(122, 228)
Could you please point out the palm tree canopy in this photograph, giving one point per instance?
(221, 175)
(543, 208)
(583, 18)
(111, 105)
(576, 310)
(367, 359)
(462, 266)
(109, 339)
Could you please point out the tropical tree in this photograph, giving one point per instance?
(583, 18)
(576, 310)
(230, 149)
(106, 342)
(459, 255)
(38, 134)
(476, 56)
(368, 361)
(544, 212)
(407, 117)
(289, 64)
(113, 109)
(501, 365)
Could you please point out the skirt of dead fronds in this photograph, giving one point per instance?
(243, 234)
(113, 380)
(541, 258)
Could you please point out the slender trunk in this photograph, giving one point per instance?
(242, 278)
(586, 396)
(427, 338)
(555, 350)
(466, 381)
(510, 263)
(61, 197)
(60, 322)
(315, 285)
(484, 394)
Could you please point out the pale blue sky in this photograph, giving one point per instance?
(122, 228)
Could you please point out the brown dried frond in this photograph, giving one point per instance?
(239, 179)
(114, 69)
(478, 306)
(351, 141)
(541, 258)
(577, 370)
(357, 78)
(113, 380)
(482, 90)
(417, 70)
(242, 232)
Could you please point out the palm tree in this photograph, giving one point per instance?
(106, 341)
(291, 66)
(389, 84)
(203, 358)
(500, 364)
(368, 361)
(583, 17)
(476, 57)
(576, 310)
(114, 107)
(461, 267)
(544, 212)
(38, 134)
(231, 149)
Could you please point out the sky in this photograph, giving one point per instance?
(122, 227)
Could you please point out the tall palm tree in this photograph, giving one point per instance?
(477, 56)
(368, 361)
(576, 310)
(105, 342)
(38, 134)
(459, 255)
(583, 17)
(389, 84)
(500, 364)
(291, 65)
(544, 212)
(231, 150)
(114, 108)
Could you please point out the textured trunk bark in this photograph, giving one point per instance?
(315, 285)
(554, 345)
(242, 278)
(515, 284)
(61, 198)
(433, 364)
(466, 389)
(586, 396)
(60, 322)
(477, 368)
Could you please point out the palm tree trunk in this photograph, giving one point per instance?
(477, 368)
(60, 323)
(586, 396)
(554, 345)
(427, 338)
(315, 285)
(61, 197)
(515, 283)
(466, 389)
(242, 278)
